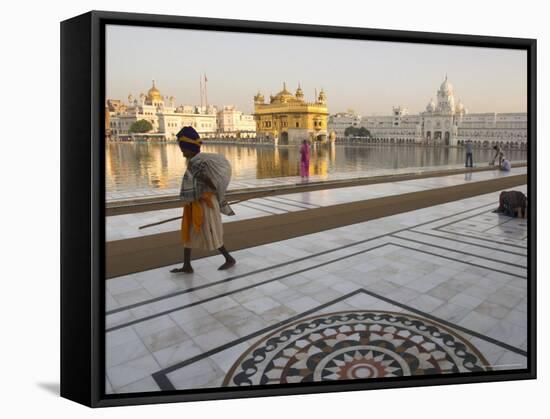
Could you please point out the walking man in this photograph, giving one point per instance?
(203, 190)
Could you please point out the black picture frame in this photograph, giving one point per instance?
(83, 203)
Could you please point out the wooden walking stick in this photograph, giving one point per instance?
(181, 216)
(160, 222)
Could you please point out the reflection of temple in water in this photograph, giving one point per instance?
(277, 162)
(144, 165)
(135, 166)
(362, 158)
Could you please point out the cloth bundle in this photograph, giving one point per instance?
(214, 167)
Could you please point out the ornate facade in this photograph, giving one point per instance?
(232, 123)
(290, 119)
(339, 122)
(447, 122)
(165, 117)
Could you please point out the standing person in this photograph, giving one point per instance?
(469, 153)
(304, 160)
(203, 190)
(499, 154)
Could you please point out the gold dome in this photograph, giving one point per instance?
(284, 95)
(154, 93)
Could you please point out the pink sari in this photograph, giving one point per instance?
(304, 160)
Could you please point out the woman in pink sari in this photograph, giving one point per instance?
(304, 160)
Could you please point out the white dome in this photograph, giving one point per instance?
(459, 107)
(431, 106)
(446, 86)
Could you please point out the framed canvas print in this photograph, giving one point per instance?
(256, 208)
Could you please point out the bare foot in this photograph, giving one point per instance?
(228, 264)
(184, 269)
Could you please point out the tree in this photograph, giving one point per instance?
(356, 132)
(140, 127)
(363, 132)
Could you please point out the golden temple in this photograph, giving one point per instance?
(289, 119)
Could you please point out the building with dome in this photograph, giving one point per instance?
(289, 119)
(447, 122)
(163, 114)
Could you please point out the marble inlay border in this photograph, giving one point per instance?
(225, 294)
(459, 251)
(279, 265)
(164, 383)
(470, 243)
(285, 198)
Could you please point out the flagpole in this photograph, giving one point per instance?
(205, 90)
(200, 84)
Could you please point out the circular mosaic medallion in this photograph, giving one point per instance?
(355, 345)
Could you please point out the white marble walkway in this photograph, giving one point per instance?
(457, 265)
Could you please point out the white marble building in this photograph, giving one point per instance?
(338, 123)
(399, 127)
(446, 122)
(489, 128)
(165, 117)
(233, 123)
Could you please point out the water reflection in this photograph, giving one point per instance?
(132, 166)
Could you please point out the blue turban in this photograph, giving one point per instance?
(189, 139)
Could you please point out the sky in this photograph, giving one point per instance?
(369, 77)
